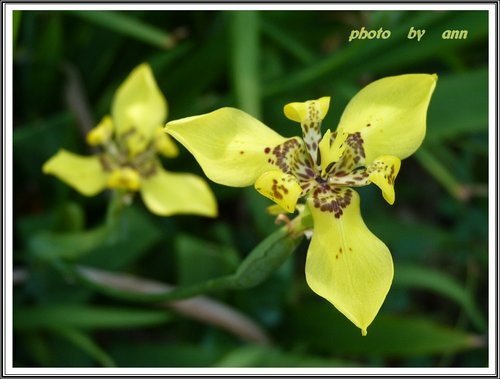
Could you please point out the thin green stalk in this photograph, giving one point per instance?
(115, 207)
(245, 57)
(442, 175)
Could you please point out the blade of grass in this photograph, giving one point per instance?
(244, 29)
(420, 277)
(126, 24)
(85, 343)
(281, 38)
(442, 175)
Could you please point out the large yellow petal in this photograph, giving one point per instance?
(283, 189)
(85, 174)
(139, 104)
(167, 193)
(232, 147)
(346, 264)
(390, 114)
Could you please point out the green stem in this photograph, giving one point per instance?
(245, 57)
(115, 207)
(261, 263)
(441, 174)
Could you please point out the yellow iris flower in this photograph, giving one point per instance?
(384, 123)
(130, 140)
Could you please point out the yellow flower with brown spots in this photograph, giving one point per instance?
(384, 123)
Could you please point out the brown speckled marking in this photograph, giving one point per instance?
(331, 199)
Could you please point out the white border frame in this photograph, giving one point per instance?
(7, 74)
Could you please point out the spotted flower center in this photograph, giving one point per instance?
(323, 167)
(322, 179)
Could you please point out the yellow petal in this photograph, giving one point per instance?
(390, 114)
(346, 264)
(139, 104)
(85, 174)
(302, 112)
(166, 193)
(164, 144)
(101, 133)
(281, 188)
(232, 147)
(383, 172)
(124, 178)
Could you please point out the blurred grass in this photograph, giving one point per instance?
(434, 314)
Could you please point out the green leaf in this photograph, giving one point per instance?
(110, 247)
(199, 260)
(71, 246)
(85, 343)
(160, 354)
(125, 23)
(412, 276)
(245, 58)
(325, 329)
(459, 105)
(261, 356)
(86, 317)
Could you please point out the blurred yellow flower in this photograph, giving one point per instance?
(384, 123)
(130, 140)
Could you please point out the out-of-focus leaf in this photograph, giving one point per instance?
(259, 356)
(245, 59)
(85, 343)
(103, 246)
(127, 24)
(68, 245)
(16, 23)
(34, 143)
(86, 317)
(412, 276)
(159, 354)
(405, 236)
(459, 105)
(199, 260)
(352, 57)
(323, 328)
(440, 172)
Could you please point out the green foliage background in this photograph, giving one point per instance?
(67, 66)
